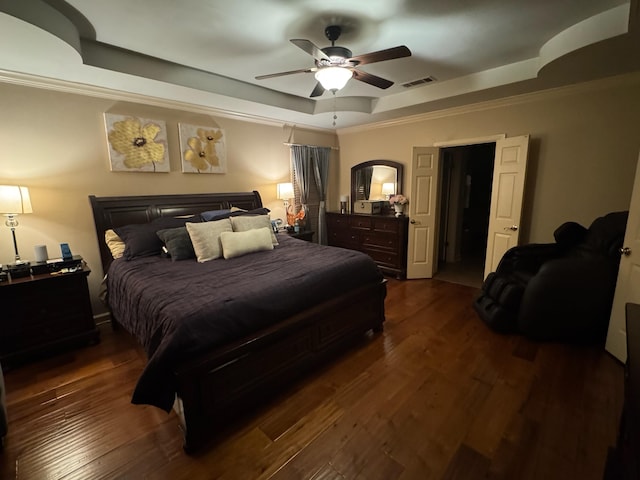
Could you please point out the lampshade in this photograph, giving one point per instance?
(388, 188)
(285, 191)
(333, 78)
(14, 200)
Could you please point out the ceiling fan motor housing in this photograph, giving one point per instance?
(337, 54)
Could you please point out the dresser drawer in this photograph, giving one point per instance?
(380, 240)
(360, 222)
(389, 225)
(343, 238)
(388, 259)
(338, 222)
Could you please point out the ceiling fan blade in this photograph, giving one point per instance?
(319, 90)
(290, 72)
(381, 55)
(310, 48)
(371, 79)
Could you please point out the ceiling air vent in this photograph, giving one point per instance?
(421, 81)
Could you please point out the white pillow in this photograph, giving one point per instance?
(205, 238)
(235, 244)
(242, 223)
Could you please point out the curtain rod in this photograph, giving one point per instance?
(301, 145)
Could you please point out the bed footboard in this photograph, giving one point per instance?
(218, 388)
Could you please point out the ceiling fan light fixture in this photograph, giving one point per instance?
(333, 78)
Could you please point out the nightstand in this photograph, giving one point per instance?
(306, 236)
(44, 313)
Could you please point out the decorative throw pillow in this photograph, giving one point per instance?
(235, 244)
(205, 238)
(141, 239)
(177, 242)
(238, 212)
(248, 222)
(211, 215)
(115, 243)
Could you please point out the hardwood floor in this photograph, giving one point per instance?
(437, 395)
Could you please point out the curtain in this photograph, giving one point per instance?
(321, 171)
(302, 172)
(363, 183)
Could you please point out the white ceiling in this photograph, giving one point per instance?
(208, 52)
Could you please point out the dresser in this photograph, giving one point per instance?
(382, 237)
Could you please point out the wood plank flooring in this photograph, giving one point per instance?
(437, 395)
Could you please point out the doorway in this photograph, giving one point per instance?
(465, 205)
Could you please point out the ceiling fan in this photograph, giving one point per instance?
(336, 65)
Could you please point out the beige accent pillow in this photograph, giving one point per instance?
(243, 223)
(115, 243)
(205, 238)
(235, 244)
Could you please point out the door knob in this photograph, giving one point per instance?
(626, 251)
(513, 228)
(412, 221)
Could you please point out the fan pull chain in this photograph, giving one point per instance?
(335, 117)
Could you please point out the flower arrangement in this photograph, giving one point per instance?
(399, 199)
(292, 217)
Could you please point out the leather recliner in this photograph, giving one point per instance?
(560, 291)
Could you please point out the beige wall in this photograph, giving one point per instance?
(582, 156)
(55, 144)
(583, 152)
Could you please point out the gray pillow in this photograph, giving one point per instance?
(205, 238)
(178, 243)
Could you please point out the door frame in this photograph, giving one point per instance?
(461, 142)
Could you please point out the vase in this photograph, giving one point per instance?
(399, 208)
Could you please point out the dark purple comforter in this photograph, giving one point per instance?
(179, 309)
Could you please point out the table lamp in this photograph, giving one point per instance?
(285, 192)
(14, 200)
(388, 189)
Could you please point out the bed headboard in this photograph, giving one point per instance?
(110, 212)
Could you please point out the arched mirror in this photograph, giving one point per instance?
(376, 180)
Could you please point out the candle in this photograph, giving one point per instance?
(344, 198)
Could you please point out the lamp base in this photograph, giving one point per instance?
(19, 270)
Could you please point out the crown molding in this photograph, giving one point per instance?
(550, 93)
(45, 83)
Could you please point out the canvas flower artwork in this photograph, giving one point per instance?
(203, 149)
(136, 144)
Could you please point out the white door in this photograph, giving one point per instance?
(422, 212)
(628, 284)
(509, 170)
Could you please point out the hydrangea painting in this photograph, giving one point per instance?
(136, 144)
(203, 149)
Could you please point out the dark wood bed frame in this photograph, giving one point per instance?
(225, 382)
